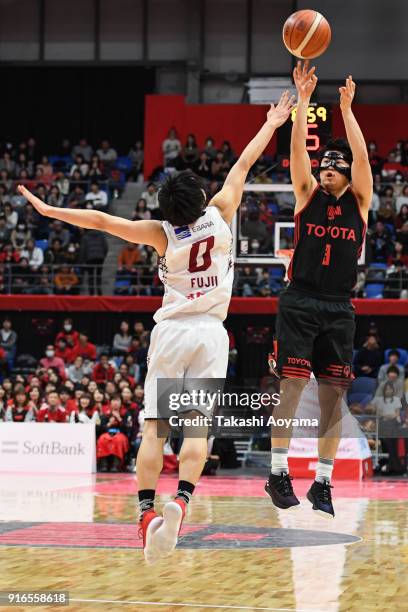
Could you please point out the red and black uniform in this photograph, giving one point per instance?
(315, 324)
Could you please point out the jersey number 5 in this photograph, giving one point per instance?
(205, 256)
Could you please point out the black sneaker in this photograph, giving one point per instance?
(280, 490)
(319, 495)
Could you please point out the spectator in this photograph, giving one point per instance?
(209, 148)
(122, 340)
(62, 182)
(22, 277)
(59, 232)
(368, 358)
(190, 151)
(402, 217)
(63, 351)
(133, 368)
(107, 155)
(7, 164)
(150, 197)
(381, 243)
(171, 148)
(87, 412)
(136, 155)
(96, 198)
(141, 212)
(71, 254)
(77, 370)
(393, 378)
(55, 197)
(79, 165)
(8, 339)
(219, 167)
(388, 409)
(19, 236)
(84, 348)
(402, 199)
(34, 254)
(19, 410)
(93, 250)
(128, 258)
(76, 198)
(103, 371)
(398, 256)
(51, 361)
(45, 167)
(112, 445)
(5, 232)
(254, 229)
(203, 166)
(68, 333)
(55, 255)
(67, 401)
(393, 358)
(66, 281)
(11, 216)
(95, 169)
(52, 411)
(247, 281)
(227, 151)
(84, 149)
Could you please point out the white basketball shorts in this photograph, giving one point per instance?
(194, 346)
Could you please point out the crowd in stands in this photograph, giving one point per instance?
(379, 397)
(76, 381)
(41, 256)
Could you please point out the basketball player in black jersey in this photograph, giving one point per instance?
(315, 324)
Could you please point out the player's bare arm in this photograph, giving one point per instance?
(229, 198)
(361, 176)
(141, 232)
(300, 168)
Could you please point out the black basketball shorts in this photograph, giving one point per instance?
(316, 336)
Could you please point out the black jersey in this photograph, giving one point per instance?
(329, 237)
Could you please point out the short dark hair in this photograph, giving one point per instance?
(393, 368)
(181, 198)
(394, 352)
(341, 145)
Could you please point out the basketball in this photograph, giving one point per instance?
(306, 34)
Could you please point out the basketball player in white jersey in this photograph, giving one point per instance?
(189, 339)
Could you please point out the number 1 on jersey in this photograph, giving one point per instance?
(193, 265)
(327, 253)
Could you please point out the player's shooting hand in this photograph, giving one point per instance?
(347, 93)
(277, 115)
(38, 204)
(305, 80)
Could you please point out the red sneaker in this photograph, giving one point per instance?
(149, 525)
(166, 535)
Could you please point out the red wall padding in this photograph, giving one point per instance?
(237, 123)
(48, 303)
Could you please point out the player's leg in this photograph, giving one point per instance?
(164, 363)
(332, 365)
(207, 360)
(296, 329)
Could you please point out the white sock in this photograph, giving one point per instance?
(324, 470)
(279, 461)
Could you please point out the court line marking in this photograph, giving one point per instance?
(190, 605)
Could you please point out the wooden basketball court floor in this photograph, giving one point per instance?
(79, 533)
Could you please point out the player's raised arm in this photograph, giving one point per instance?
(300, 168)
(141, 232)
(229, 198)
(361, 176)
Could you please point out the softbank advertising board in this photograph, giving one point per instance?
(47, 447)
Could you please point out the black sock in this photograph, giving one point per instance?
(146, 500)
(185, 490)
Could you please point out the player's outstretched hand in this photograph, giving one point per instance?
(305, 80)
(347, 93)
(277, 115)
(38, 204)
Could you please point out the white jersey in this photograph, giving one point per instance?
(197, 269)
